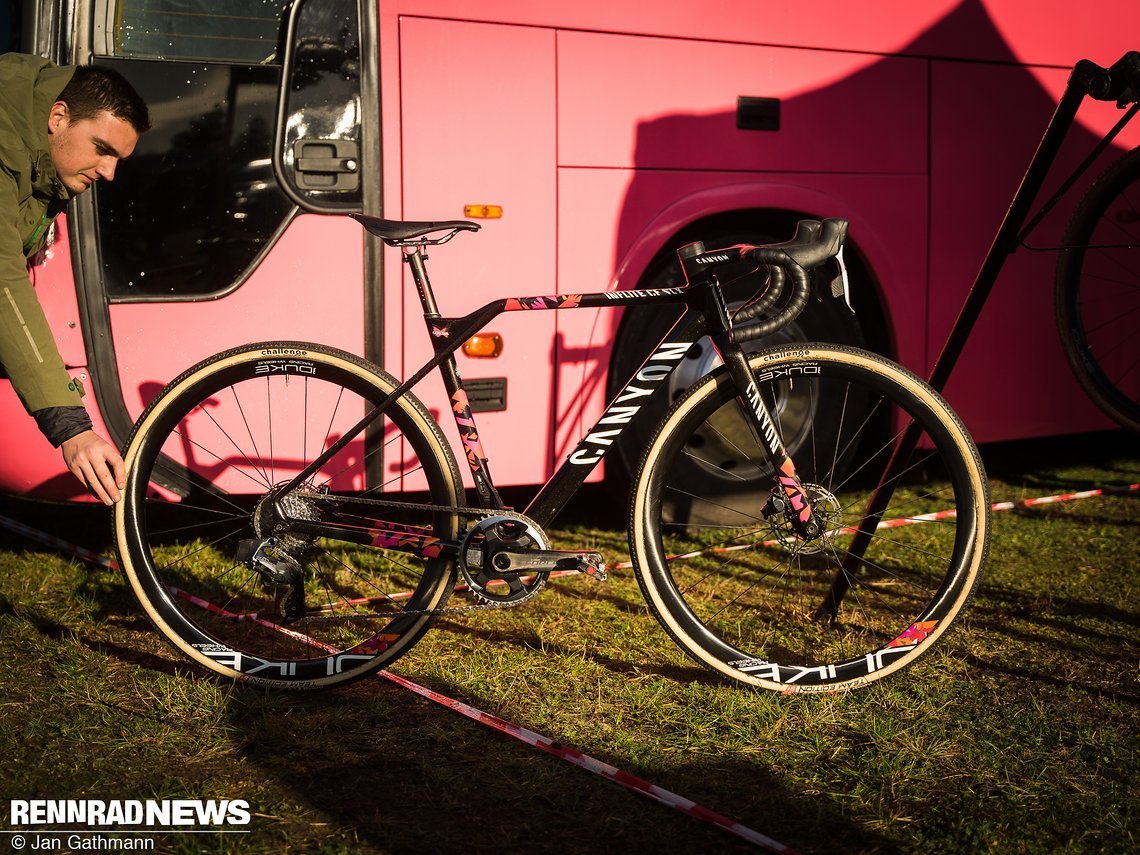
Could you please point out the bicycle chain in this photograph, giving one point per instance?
(483, 605)
(411, 506)
(447, 610)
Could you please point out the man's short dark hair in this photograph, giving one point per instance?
(95, 89)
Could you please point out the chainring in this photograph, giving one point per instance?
(490, 536)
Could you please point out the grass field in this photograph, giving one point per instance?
(1020, 733)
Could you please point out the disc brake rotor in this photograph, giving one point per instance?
(827, 510)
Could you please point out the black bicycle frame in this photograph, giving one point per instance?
(705, 314)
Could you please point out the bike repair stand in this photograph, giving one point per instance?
(1086, 79)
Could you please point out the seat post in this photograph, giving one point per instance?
(415, 257)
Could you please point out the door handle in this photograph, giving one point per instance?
(326, 164)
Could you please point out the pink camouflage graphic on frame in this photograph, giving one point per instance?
(564, 301)
(467, 431)
(406, 538)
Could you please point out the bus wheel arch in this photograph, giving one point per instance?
(641, 328)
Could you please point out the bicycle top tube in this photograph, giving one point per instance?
(813, 244)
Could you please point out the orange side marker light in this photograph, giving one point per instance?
(483, 212)
(484, 345)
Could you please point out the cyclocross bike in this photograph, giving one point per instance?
(1097, 290)
(1097, 282)
(294, 517)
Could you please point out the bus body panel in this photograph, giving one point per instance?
(36, 468)
(297, 293)
(477, 139)
(606, 129)
(54, 281)
(32, 467)
(992, 30)
(650, 103)
(585, 338)
(1012, 379)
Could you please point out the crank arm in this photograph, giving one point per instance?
(546, 560)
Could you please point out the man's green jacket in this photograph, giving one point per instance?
(31, 195)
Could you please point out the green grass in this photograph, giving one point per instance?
(1019, 733)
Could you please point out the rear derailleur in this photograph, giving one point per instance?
(281, 574)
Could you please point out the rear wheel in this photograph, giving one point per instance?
(210, 564)
(745, 596)
(1097, 292)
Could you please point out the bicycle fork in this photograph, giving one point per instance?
(788, 495)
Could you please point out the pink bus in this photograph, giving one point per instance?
(589, 140)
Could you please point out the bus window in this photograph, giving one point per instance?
(245, 31)
(191, 210)
(195, 207)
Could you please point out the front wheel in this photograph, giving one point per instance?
(208, 557)
(746, 597)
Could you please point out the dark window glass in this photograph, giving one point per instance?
(191, 209)
(247, 31)
(323, 101)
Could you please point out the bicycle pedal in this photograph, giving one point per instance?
(588, 563)
(593, 565)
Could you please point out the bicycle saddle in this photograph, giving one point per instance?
(399, 231)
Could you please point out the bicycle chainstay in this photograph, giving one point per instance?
(470, 513)
(388, 503)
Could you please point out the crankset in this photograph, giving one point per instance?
(505, 559)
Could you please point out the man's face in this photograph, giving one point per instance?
(87, 150)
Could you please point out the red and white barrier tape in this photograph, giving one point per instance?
(901, 521)
(605, 770)
(1065, 497)
(536, 740)
(543, 743)
(57, 543)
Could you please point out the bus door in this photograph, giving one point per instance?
(213, 234)
(477, 121)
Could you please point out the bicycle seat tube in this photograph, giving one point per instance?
(449, 370)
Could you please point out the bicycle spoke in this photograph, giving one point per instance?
(243, 574)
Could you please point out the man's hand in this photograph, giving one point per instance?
(96, 463)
